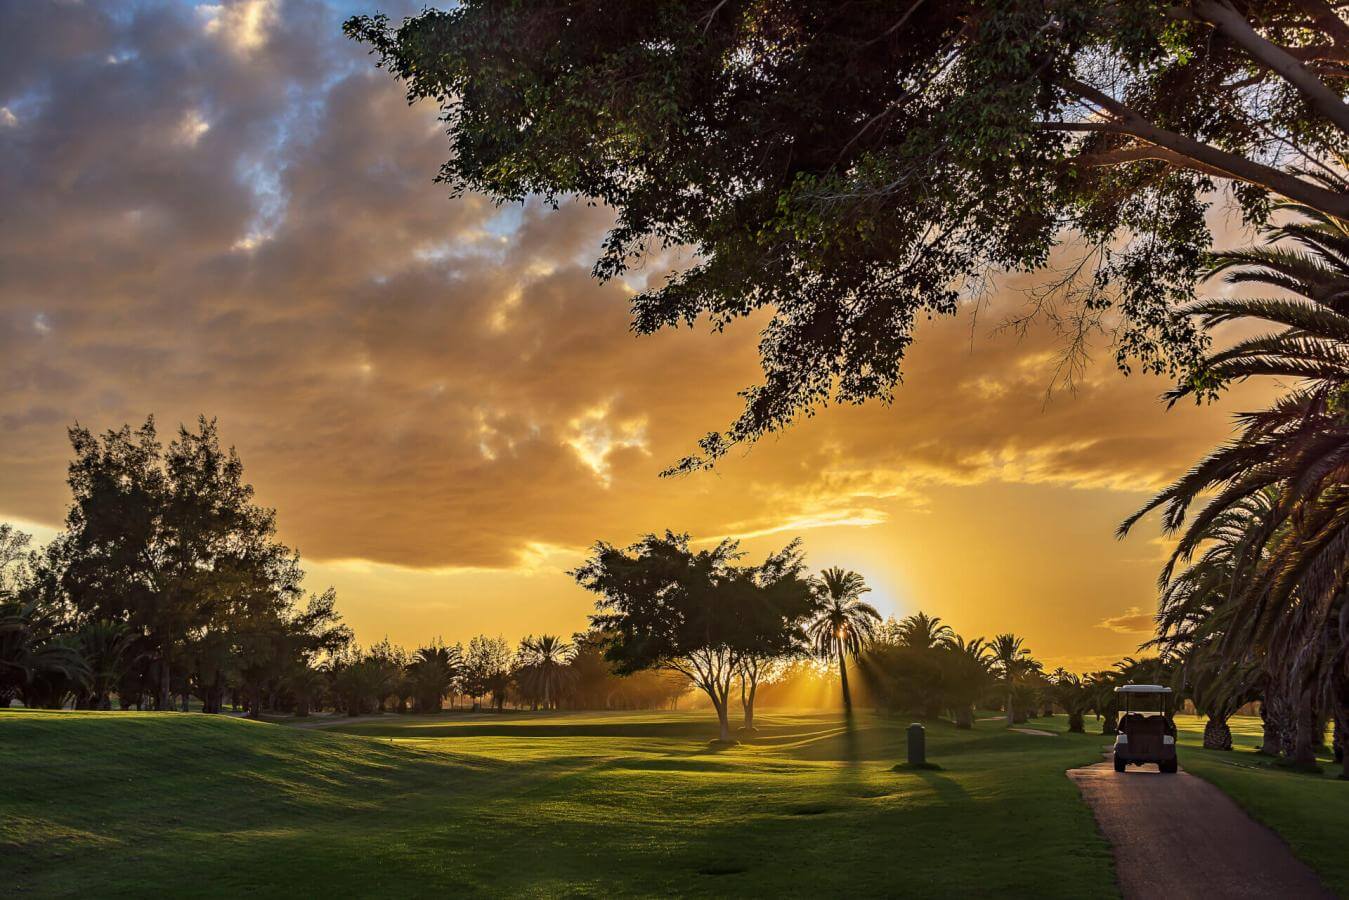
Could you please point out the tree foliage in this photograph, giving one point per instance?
(168, 580)
(1254, 595)
(855, 168)
(662, 604)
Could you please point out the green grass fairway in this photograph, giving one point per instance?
(537, 804)
(1310, 812)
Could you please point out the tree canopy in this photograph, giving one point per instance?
(662, 604)
(168, 579)
(857, 167)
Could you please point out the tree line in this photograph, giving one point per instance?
(733, 630)
(168, 583)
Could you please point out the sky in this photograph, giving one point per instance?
(224, 209)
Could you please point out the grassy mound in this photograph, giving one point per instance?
(546, 804)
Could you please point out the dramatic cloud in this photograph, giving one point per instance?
(1133, 621)
(225, 209)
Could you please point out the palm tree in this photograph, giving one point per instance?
(1195, 615)
(1013, 661)
(923, 632)
(1072, 693)
(36, 663)
(1288, 589)
(308, 684)
(431, 675)
(845, 624)
(965, 676)
(546, 673)
(1103, 700)
(107, 650)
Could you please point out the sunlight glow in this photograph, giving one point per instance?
(191, 128)
(592, 437)
(241, 26)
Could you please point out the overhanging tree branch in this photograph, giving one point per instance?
(1230, 165)
(1234, 26)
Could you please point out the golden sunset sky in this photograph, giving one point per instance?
(224, 209)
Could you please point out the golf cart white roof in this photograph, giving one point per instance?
(1142, 689)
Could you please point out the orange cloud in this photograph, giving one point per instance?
(1132, 621)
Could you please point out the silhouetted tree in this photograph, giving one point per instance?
(844, 624)
(1073, 694)
(169, 542)
(432, 675)
(923, 632)
(542, 669)
(663, 605)
(1013, 662)
(487, 669)
(1275, 525)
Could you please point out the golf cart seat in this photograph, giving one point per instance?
(1145, 734)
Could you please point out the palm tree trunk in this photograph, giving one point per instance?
(1340, 744)
(1011, 717)
(1306, 737)
(1269, 723)
(843, 677)
(1217, 733)
(964, 716)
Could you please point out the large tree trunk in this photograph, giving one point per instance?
(964, 716)
(1011, 716)
(1217, 734)
(1075, 723)
(723, 720)
(1110, 722)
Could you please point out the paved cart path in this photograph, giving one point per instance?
(1179, 836)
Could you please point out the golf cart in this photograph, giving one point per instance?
(1147, 734)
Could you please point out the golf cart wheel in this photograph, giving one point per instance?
(1168, 768)
(1119, 764)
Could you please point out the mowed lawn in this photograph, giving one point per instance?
(538, 804)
